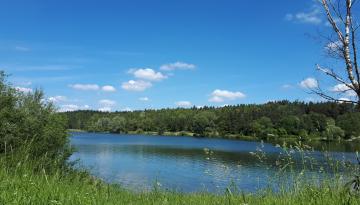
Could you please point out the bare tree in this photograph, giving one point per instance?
(344, 47)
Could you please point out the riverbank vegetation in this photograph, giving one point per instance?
(21, 186)
(34, 167)
(273, 121)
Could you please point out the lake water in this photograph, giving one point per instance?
(182, 163)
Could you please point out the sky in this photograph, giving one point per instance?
(115, 55)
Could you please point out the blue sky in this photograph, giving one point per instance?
(155, 54)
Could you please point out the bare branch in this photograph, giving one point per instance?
(322, 94)
(337, 11)
(345, 47)
(331, 20)
(332, 74)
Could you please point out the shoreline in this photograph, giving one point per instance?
(290, 139)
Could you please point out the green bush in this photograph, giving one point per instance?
(28, 122)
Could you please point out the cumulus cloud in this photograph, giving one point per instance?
(224, 95)
(24, 89)
(57, 99)
(85, 87)
(147, 74)
(108, 88)
(107, 103)
(183, 104)
(177, 66)
(136, 85)
(72, 107)
(313, 16)
(144, 99)
(309, 83)
(343, 88)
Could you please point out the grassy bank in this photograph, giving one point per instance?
(24, 187)
(22, 183)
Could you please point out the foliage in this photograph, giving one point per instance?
(273, 120)
(350, 123)
(28, 123)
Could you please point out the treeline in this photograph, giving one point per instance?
(273, 120)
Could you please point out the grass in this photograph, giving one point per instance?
(57, 189)
(20, 185)
(25, 181)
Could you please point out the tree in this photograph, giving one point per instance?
(118, 124)
(291, 124)
(344, 47)
(333, 132)
(350, 122)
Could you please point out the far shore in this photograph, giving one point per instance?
(290, 139)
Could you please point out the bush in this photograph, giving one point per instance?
(30, 124)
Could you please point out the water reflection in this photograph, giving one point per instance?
(177, 163)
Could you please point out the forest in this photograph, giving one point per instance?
(273, 120)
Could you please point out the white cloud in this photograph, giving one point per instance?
(286, 86)
(22, 48)
(92, 87)
(223, 95)
(57, 99)
(309, 83)
(107, 103)
(72, 107)
(147, 74)
(104, 109)
(313, 16)
(183, 104)
(126, 109)
(342, 88)
(144, 99)
(177, 66)
(24, 89)
(108, 88)
(344, 99)
(136, 85)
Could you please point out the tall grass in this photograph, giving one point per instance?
(25, 181)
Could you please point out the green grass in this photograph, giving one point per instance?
(20, 185)
(25, 181)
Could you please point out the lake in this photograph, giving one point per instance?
(185, 164)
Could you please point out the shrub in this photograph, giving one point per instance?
(30, 124)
